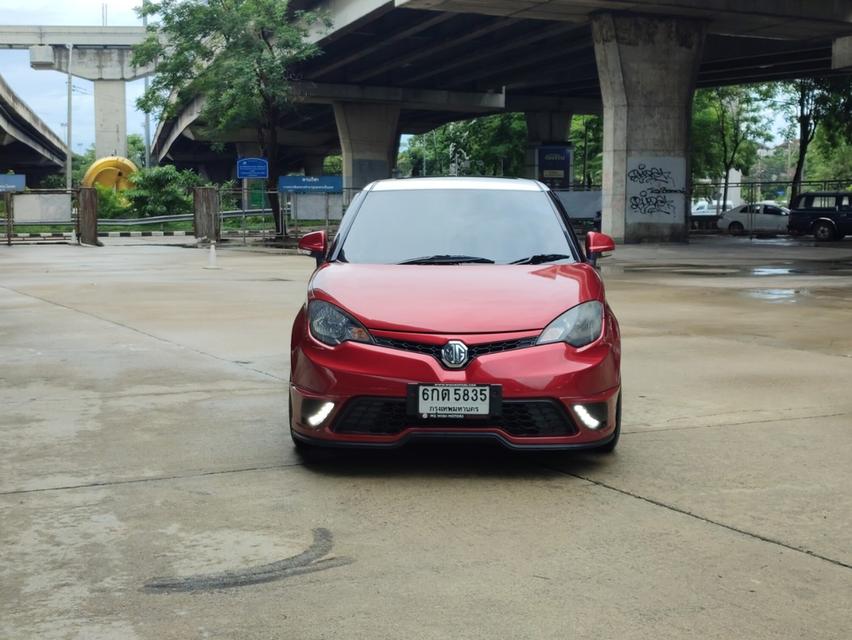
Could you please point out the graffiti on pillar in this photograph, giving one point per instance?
(656, 188)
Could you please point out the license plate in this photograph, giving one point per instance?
(455, 400)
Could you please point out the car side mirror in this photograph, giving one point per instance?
(316, 244)
(596, 245)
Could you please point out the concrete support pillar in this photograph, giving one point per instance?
(647, 68)
(369, 139)
(110, 118)
(109, 69)
(313, 164)
(544, 127)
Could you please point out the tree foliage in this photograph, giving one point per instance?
(729, 126)
(136, 150)
(587, 141)
(238, 55)
(161, 191)
(487, 146)
(818, 104)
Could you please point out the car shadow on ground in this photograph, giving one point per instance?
(430, 460)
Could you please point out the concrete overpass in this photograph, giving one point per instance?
(27, 145)
(100, 54)
(409, 65)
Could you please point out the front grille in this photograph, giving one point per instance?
(474, 350)
(387, 416)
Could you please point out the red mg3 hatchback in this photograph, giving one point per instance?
(456, 308)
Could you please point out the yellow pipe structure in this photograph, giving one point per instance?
(112, 172)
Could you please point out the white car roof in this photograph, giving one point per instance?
(490, 184)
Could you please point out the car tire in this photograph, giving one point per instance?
(609, 447)
(824, 232)
(736, 229)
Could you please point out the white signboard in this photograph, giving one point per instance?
(42, 207)
(655, 190)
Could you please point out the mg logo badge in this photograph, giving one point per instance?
(454, 354)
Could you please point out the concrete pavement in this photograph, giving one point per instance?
(148, 488)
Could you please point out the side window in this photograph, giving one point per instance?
(846, 203)
(772, 211)
(752, 208)
(818, 202)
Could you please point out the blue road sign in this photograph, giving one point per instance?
(12, 182)
(252, 168)
(310, 184)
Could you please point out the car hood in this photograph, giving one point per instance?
(456, 298)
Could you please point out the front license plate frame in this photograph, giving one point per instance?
(495, 401)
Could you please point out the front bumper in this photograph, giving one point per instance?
(541, 385)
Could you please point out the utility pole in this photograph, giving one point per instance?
(147, 116)
(69, 155)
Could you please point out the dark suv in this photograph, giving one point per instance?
(825, 214)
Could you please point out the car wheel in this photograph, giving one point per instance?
(609, 447)
(823, 232)
(736, 229)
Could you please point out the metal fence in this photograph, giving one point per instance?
(51, 212)
(245, 214)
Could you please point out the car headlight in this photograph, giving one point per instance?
(332, 326)
(579, 326)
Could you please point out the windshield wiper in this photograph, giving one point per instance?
(447, 259)
(543, 257)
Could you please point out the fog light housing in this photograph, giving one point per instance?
(315, 412)
(593, 416)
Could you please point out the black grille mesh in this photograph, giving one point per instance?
(474, 350)
(387, 416)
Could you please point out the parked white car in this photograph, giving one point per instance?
(754, 218)
(708, 208)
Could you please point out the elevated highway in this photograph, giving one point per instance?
(100, 54)
(637, 62)
(27, 145)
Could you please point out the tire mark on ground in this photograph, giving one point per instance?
(308, 561)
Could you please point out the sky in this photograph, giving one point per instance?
(45, 92)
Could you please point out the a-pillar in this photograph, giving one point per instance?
(369, 140)
(647, 68)
(544, 127)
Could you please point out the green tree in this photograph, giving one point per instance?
(161, 191)
(111, 203)
(729, 125)
(814, 104)
(487, 146)
(136, 150)
(333, 165)
(830, 159)
(239, 55)
(587, 141)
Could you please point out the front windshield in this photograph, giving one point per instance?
(467, 225)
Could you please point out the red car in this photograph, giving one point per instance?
(456, 308)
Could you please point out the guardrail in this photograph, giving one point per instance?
(132, 222)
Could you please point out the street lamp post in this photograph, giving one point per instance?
(69, 155)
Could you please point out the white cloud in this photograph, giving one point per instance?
(45, 91)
